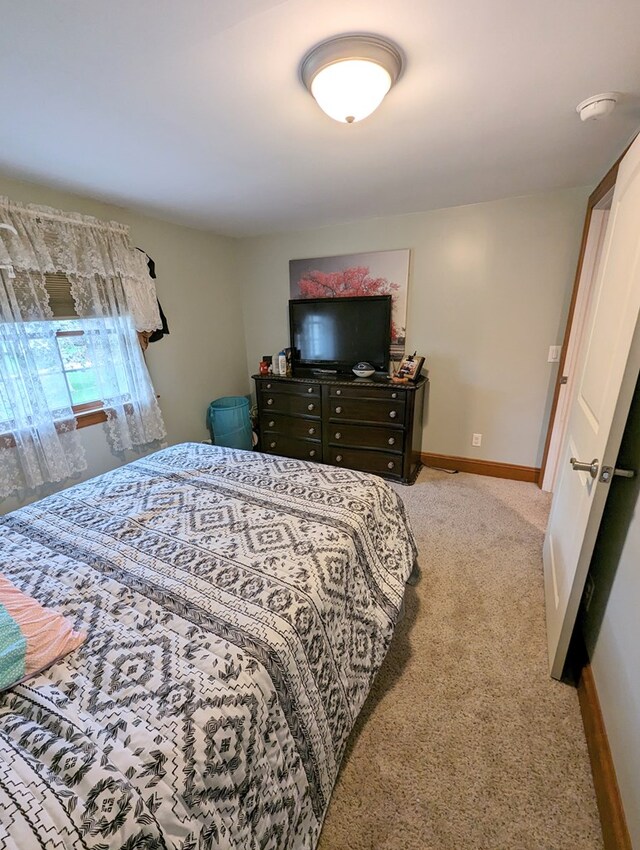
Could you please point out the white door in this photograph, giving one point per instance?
(608, 366)
(588, 277)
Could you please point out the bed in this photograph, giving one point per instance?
(237, 607)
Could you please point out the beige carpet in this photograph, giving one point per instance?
(465, 742)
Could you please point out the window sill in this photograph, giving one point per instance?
(84, 418)
(91, 417)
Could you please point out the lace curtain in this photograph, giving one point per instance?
(114, 298)
(83, 248)
(38, 439)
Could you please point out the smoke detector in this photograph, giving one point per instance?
(597, 106)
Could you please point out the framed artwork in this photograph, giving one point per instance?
(374, 273)
(410, 367)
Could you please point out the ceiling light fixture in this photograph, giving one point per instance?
(349, 75)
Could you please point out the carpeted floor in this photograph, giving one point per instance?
(465, 743)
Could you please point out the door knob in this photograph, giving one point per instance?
(591, 468)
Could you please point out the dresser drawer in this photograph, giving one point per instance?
(366, 436)
(366, 410)
(292, 388)
(275, 444)
(298, 405)
(367, 461)
(290, 425)
(388, 393)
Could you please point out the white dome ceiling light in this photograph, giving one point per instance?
(597, 106)
(349, 75)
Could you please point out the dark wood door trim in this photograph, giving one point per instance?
(603, 187)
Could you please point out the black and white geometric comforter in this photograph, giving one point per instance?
(237, 606)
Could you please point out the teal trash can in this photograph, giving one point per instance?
(229, 422)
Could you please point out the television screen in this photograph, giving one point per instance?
(337, 333)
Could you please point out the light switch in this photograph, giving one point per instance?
(554, 353)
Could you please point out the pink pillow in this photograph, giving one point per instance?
(31, 636)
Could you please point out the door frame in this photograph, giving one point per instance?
(604, 186)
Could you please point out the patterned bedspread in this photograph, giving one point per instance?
(237, 606)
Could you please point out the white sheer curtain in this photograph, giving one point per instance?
(38, 439)
(114, 298)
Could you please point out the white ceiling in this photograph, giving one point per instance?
(192, 109)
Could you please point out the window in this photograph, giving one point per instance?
(69, 347)
(78, 366)
(64, 368)
(79, 370)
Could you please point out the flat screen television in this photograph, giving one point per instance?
(334, 334)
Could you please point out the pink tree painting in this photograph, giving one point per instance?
(379, 273)
(354, 281)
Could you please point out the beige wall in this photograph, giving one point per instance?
(488, 293)
(489, 288)
(204, 355)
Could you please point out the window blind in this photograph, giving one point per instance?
(59, 289)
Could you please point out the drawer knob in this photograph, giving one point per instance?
(268, 386)
(269, 401)
(392, 441)
(338, 410)
(272, 444)
(271, 423)
(392, 414)
(338, 435)
(390, 465)
(312, 453)
(338, 458)
(312, 430)
(394, 395)
(310, 406)
(338, 392)
(310, 390)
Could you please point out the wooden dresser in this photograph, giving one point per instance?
(372, 425)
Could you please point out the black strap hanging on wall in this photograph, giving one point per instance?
(160, 332)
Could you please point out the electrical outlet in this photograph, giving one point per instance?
(476, 440)
(554, 353)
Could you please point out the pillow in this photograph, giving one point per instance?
(31, 637)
